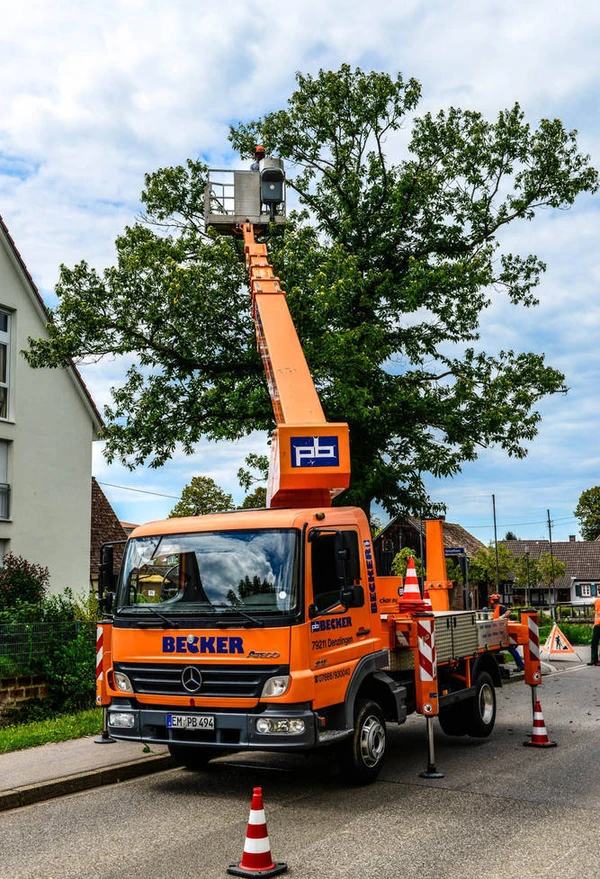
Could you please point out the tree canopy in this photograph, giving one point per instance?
(201, 496)
(490, 567)
(389, 262)
(588, 513)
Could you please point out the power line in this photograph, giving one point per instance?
(140, 490)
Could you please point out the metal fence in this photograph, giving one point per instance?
(24, 647)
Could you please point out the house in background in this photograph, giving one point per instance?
(48, 423)
(128, 527)
(408, 531)
(106, 528)
(581, 581)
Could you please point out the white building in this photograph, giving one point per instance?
(48, 422)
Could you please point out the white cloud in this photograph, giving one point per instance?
(92, 97)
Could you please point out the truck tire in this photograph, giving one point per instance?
(190, 756)
(454, 720)
(481, 715)
(362, 755)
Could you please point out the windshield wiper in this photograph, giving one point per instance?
(242, 613)
(172, 623)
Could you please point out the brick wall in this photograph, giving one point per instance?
(15, 692)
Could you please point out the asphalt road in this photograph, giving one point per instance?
(502, 811)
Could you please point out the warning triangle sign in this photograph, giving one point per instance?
(557, 646)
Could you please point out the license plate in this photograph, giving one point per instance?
(190, 721)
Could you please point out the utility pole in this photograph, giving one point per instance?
(496, 544)
(551, 561)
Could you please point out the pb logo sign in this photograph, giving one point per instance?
(315, 451)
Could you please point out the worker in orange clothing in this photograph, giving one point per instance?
(500, 610)
(595, 633)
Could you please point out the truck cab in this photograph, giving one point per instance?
(246, 630)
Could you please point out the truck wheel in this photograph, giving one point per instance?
(190, 756)
(482, 708)
(454, 720)
(362, 756)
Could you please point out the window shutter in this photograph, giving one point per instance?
(594, 590)
(578, 590)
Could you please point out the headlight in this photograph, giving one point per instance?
(275, 687)
(294, 726)
(123, 683)
(121, 719)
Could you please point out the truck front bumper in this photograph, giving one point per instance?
(225, 730)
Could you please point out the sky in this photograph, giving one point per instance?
(93, 96)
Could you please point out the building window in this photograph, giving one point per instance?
(4, 486)
(4, 362)
(586, 590)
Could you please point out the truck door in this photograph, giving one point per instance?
(338, 610)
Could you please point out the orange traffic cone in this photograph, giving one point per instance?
(427, 599)
(539, 737)
(411, 596)
(256, 859)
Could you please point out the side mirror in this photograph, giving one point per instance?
(352, 596)
(106, 577)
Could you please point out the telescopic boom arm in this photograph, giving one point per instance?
(310, 458)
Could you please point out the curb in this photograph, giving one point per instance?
(70, 784)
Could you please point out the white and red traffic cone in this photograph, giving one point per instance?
(539, 737)
(411, 596)
(256, 859)
(427, 599)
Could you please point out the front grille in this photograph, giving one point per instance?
(222, 681)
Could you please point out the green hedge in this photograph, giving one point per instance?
(576, 633)
(55, 638)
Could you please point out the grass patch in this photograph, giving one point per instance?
(55, 729)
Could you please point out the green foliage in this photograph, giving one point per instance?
(527, 572)
(256, 500)
(375, 525)
(588, 513)
(550, 569)
(454, 571)
(388, 268)
(258, 472)
(576, 633)
(21, 582)
(54, 638)
(257, 463)
(510, 535)
(400, 563)
(200, 497)
(482, 567)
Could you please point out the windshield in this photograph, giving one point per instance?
(214, 572)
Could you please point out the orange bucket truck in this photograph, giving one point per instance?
(270, 629)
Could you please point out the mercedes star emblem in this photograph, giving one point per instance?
(191, 679)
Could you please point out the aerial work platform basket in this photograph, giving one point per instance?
(232, 198)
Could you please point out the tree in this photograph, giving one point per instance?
(200, 497)
(482, 567)
(256, 500)
(588, 513)
(550, 569)
(22, 582)
(510, 535)
(400, 563)
(527, 572)
(454, 571)
(388, 268)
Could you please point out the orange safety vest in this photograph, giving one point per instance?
(597, 612)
